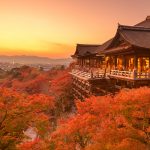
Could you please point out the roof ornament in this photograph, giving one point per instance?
(148, 18)
(119, 26)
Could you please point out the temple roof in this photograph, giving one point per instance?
(145, 23)
(104, 46)
(85, 50)
(138, 36)
(133, 35)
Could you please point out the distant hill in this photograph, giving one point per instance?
(23, 59)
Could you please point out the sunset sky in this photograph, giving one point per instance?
(53, 27)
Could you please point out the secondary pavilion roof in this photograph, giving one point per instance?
(104, 46)
(85, 50)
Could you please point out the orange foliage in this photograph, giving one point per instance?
(29, 80)
(18, 112)
(121, 122)
(61, 83)
(34, 145)
(61, 88)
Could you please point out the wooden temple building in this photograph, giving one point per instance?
(121, 62)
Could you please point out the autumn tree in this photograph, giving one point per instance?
(29, 80)
(121, 122)
(61, 89)
(18, 112)
(37, 144)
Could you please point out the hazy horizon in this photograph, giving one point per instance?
(52, 28)
(24, 55)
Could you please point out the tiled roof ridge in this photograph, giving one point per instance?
(88, 45)
(138, 28)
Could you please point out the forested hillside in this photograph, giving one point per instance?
(43, 101)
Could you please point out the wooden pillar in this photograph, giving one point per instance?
(79, 62)
(95, 62)
(149, 62)
(83, 62)
(89, 62)
(115, 62)
(135, 62)
(149, 68)
(135, 66)
(99, 63)
(124, 62)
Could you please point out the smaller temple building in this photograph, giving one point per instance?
(89, 71)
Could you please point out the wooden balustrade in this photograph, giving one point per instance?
(130, 74)
(88, 74)
(113, 73)
(143, 75)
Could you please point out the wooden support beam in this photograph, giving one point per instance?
(135, 61)
(124, 62)
(115, 61)
(149, 62)
(135, 66)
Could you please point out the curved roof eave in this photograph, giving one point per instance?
(119, 33)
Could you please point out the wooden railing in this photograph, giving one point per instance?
(143, 75)
(88, 74)
(130, 74)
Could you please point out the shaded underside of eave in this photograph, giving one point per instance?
(84, 56)
(130, 50)
(119, 51)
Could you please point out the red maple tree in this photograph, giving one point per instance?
(18, 112)
(118, 123)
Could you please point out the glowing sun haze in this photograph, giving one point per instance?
(52, 27)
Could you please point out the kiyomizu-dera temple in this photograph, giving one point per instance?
(121, 62)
